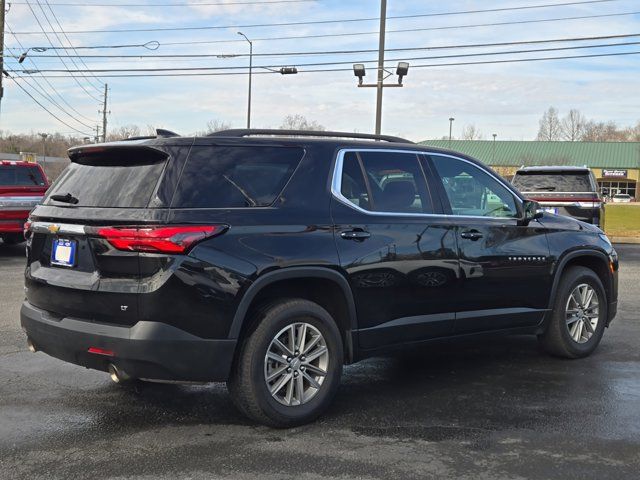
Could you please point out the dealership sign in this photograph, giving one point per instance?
(614, 173)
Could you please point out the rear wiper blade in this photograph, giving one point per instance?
(68, 198)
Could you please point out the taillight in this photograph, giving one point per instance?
(26, 228)
(158, 239)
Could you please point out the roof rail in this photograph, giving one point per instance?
(243, 132)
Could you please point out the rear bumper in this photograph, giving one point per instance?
(149, 350)
(12, 221)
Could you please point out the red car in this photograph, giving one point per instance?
(22, 186)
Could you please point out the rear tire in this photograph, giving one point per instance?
(13, 239)
(579, 315)
(282, 384)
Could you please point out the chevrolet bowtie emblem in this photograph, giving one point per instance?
(53, 228)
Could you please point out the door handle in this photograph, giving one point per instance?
(357, 234)
(473, 235)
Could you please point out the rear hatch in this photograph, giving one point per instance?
(22, 187)
(75, 266)
(569, 192)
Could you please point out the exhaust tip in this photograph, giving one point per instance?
(31, 346)
(117, 375)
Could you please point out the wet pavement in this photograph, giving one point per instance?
(485, 409)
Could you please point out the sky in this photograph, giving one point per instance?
(506, 98)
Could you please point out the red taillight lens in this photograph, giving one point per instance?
(26, 227)
(100, 351)
(158, 239)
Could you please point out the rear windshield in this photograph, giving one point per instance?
(21, 175)
(114, 186)
(232, 177)
(552, 182)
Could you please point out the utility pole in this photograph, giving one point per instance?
(383, 27)
(104, 114)
(250, 75)
(44, 150)
(2, 13)
(451, 119)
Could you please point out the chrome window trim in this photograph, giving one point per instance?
(336, 185)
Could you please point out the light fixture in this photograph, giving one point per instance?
(402, 71)
(359, 71)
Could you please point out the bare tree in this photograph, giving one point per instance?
(550, 129)
(123, 132)
(471, 132)
(217, 126)
(573, 125)
(300, 122)
(602, 132)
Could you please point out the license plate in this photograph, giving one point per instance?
(553, 210)
(63, 253)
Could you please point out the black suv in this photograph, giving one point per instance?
(268, 259)
(570, 191)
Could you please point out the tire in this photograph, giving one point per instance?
(557, 339)
(248, 385)
(13, 239)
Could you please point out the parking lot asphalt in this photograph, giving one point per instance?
(483, 409)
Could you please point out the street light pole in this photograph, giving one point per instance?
(451, 119)
(250, 74)
(383, 26)
(494, 148)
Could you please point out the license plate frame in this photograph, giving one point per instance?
(63, 252)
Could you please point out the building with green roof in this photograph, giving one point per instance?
(615, 164)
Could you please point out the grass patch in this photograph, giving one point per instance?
(622, 220)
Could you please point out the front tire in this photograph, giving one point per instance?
(579, 315)
(289, 366)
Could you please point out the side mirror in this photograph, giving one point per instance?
(531, 211)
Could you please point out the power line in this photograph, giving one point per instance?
(348, 52)
(266, 72)
(220, 4)
(316, 64)
(53, 89)
(46, 17)
(45, 108)
(326, 22)
(67, 37)
(51, 43)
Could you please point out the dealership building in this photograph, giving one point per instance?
(616, 165)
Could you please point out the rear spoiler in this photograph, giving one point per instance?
(116, 154)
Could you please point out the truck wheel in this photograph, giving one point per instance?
(13, 239)
(579, 315)
(289, 365)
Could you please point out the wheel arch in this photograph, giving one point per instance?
(595, 260)
(291, 281)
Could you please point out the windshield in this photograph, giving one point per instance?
(552, 182)
(21, 175)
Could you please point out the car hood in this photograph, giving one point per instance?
(560, 222)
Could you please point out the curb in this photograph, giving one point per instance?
(630, 240)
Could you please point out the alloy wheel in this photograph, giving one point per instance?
(582, 313)
(296, 364)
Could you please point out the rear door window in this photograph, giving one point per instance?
(235, 176)
(390, 182)
(21, 175)
(552, 182)
(107, 182)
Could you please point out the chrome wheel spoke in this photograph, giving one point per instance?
(316, 353)
(572, 319)
(315, 370)
(277, 358)
(283, 348)
(588, 327)
(311, 380)
(296, 364)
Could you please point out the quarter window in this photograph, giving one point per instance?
(472, 191)
(383, 181)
